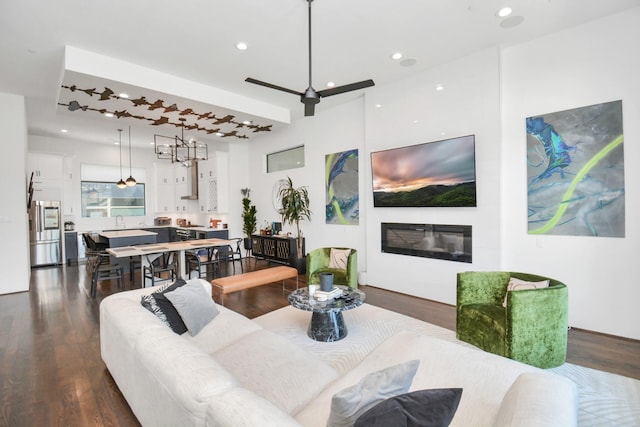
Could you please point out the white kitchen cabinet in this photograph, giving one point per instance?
(180, 173)
(68, 195)
(165, 187)
(181, 205)
(213, 188)
(207, 168)
(163, 173)
(45, 173)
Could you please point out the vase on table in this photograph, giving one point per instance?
(326, 282)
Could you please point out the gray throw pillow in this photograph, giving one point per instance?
(194, 305)
(348, 404)
(423, 408)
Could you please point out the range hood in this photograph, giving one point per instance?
(194, 180)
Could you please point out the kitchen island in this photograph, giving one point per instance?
(119, 238)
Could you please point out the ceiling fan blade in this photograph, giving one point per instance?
(272, 86)
(309, 109)
(346, 88)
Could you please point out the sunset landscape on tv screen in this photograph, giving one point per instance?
(433, 174)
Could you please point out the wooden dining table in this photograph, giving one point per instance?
(148, 253)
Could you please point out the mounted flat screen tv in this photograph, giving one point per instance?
(433, 174)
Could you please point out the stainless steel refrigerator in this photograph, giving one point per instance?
(45, 233)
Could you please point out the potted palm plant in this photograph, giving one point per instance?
(248, 218)
(295, 208)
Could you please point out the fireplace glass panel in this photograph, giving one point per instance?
(448, 242)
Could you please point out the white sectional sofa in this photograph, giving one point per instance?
(267, 372)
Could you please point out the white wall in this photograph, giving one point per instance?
(14, 252)
(337, 129)
(238, 179)
(488, 94)
(412, 111)
(590, 64)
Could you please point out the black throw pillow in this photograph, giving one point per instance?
(423, 408)
(175, 321)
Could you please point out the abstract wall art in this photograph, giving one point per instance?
(341, 184)
(575, 172)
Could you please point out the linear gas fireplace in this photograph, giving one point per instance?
(448, 242)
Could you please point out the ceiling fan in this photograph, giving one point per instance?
(310, 97)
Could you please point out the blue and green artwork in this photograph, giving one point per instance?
(575, 172)
(341, 183)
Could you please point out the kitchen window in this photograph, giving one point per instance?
(105, 199)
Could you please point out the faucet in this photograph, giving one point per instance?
(120, 221)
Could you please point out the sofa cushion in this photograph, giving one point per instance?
(539, 399)
(519, 285)
(239, 407)
(228, 327)
(338, 258)
(175, 321)
(275, 368)
(194, 305)
(348, 404)
(175, 381)
(425, 408)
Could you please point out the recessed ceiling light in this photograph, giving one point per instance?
(415, 122)
(440, 86)
(246, 122)
(396, 56)
(241, 46)
(123, 95)
(331, 84)
(378, 105)
(219, 134)
(108, 114)
(505, 11)
(64, 130)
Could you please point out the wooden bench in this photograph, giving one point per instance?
(238, 282)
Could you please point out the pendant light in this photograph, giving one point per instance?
(121, 183)
(131, 181)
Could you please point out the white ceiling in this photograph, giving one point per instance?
(195, 40)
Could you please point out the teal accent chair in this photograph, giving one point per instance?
(532, 328)
(318, 262)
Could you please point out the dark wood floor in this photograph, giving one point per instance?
(51, 372)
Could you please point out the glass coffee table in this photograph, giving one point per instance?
(327, 323)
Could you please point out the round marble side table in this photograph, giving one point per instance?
(327, 323)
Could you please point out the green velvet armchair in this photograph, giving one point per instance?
(319, 261)
(531, 329)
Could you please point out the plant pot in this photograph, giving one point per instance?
(326, 282)
(299, 264)
(248, 243)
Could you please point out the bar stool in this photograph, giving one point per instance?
(159, 267)
(204, 261)
(103, 269)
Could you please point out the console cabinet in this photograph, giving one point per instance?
(283, 250)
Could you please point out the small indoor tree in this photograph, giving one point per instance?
(295, 207)
(248, 217)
